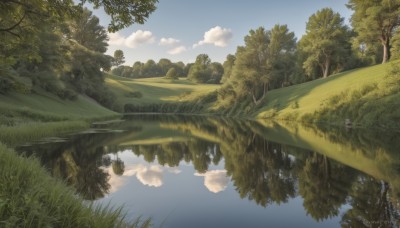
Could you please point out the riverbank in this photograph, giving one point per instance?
(28, 117)
(367, 97)
(29, 196)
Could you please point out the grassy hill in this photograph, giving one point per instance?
(366, 96)
(26, 117)
(46, 104)
(309, 97)
(156, 90)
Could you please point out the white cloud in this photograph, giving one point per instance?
(133, 40)
(139, 37)
(116, 39)
(215, 180)
(177, 50)
(217, 36)
(168, 41)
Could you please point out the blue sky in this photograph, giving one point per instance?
(214, 27)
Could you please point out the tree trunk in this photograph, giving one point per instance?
(386, 50)
(265, 90)
(326, 67)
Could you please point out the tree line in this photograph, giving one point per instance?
(203, 70)
(272, 59)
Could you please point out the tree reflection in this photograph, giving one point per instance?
(118, 166)
(262, 171)
(78, 162)
(371, 206)
(324, 186)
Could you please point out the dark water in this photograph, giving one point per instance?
(213, 172)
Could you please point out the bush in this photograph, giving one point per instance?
(172, 74)
(135, 94)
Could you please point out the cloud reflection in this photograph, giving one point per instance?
(149, 175)
(215, 180)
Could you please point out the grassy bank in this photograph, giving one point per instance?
(366, 96)
(27, 117)
(29, 197)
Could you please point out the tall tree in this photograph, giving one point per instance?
(282, 55)
(325, 41)
(164, 65)
(88, 32)
(228, 66)
(200, 71)
(375, 20)
(119, 57)
(217, 70)
(251, 73)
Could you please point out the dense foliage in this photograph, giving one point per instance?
(60, 47)
(150, 69)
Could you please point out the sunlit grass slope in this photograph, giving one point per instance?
(294, 101)
(48, 105)
(156, 90)
(27, 117)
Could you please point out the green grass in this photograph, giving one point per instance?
(13, 135)
(295, 101)
(45, 106)
(29, 197)
(156, 90)
(27, 117)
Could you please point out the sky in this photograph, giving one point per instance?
(182, 29)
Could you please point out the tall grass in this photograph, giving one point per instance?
(30, 197)
(31, 131)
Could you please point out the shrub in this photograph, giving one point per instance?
(136, 94)
(172, 74)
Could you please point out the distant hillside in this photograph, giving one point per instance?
(155, 90)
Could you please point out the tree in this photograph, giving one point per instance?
(325, 41)
(151, 69)
(217, 70)
(375, 21)
(172, 74)
(119, 57)
(281, 55)
(118, 166)
(251, 73)
(21, 21)
(200, 71)
(164, 65)
(395, 50)
(123, 13)
(228, 66)
(87, 31)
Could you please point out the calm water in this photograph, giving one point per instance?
(212, 172)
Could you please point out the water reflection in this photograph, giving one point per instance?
(353, 175)
(215, 180)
